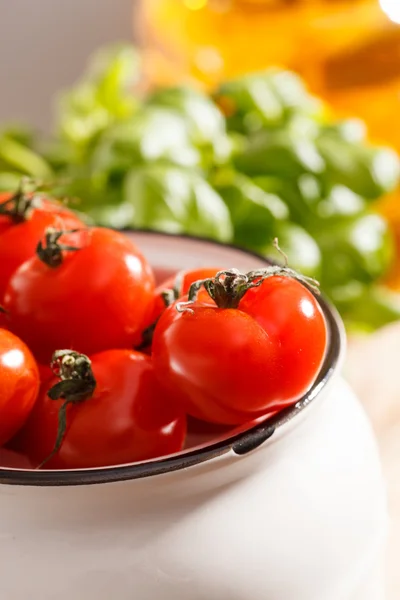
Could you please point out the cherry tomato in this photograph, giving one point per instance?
(45, 373)
(178, 285)
(23, 221)
(3, 318)
(258, 355)
(195, 426)
(19, 384)
(126, 417)
(13, 460)
(94, 298)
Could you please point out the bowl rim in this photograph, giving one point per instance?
(242, 442)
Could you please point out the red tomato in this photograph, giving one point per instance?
(179, 285)
(127, 418)
(45, 373)
(195, 426)
(3, 319)
(23, 225)
(98, 297)
(19, 384)
(229, 365)
(12, 460)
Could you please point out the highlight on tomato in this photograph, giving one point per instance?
(19, 384)
(88, 290)
(23, 221)
(253, 346)
(108, 409)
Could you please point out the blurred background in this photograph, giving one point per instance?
(348, 50)
(284, 111)
(44, 46)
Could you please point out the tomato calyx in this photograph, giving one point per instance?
(20, 205)
(228, 287)
(76, 375)
(50, 250)
(169, 296)
(147, 336)
(77, 384)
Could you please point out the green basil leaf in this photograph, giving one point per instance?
(340, 203)
(205, 121)
(279, 153)
(9, 181)
(153, 134)
(374, 308)
(369, 172)
(103, 96)
(253, 211)
(265, 100)
(174, 200)
(359, 250)
(23, 159)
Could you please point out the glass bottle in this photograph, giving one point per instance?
(347, 50)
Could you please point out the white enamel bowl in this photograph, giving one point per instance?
(289, 509)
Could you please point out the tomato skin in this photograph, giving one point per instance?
(45, 373)
(13, 460)
(18, 241)
(191, 354)
(19, 384)
(186, 279)
(129, 418)
(232, 365)
(98, 298)
(3, 320)
(290, 313)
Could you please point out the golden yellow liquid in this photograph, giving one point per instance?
(347, 50)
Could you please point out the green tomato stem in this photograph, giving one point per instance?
(50, 251)
(228, 288)
(19, 206)
(77, 384)
(169, 296)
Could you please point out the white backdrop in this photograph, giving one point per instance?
(43, 46)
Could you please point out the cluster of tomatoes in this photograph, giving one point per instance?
(98, 366)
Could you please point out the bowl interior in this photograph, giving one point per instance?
(168, 254)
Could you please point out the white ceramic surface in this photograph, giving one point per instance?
(303, 517)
